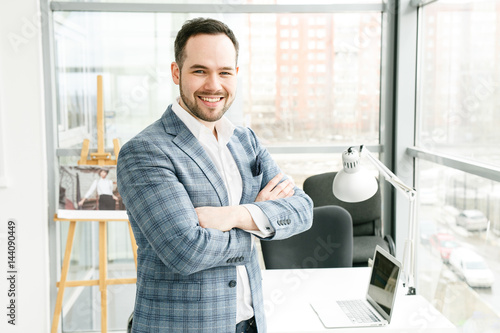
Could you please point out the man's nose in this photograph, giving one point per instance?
(212, 83)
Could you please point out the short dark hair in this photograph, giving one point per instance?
(200, 26)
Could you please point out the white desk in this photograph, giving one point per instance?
(288, 293)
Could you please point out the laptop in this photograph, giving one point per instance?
(378, 305)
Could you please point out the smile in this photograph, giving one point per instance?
(211, 99)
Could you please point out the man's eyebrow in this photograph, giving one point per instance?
(226, 68)
(198, 66)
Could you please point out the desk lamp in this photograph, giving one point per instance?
(355, 184)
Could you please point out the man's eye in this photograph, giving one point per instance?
(225, 73)
(199, 71)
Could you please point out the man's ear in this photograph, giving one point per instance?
(176, 72)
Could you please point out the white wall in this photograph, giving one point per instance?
(23, 161)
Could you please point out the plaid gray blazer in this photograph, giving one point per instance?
(186, 274)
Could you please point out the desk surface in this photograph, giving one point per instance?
(288, 293)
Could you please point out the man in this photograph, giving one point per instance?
(197, 189)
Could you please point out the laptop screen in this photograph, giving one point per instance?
(383, 282)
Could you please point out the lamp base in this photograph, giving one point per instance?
(411, 290)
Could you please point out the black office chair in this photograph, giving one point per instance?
(327, 244)
(366, 217)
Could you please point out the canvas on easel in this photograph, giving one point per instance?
(88, 191)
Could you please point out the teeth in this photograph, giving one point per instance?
(211, 100)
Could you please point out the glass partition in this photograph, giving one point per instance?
(457, 111)
(305, 79)
(459, 245)
(459, 80)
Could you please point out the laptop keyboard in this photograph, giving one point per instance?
(357, 311)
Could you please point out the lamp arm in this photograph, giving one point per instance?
(411, 194)
(408, 191)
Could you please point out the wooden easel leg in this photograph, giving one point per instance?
(116, 148)
(64, 276)
(103, 267)
(134, 244)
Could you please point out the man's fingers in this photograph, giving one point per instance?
(276, 190)
(273, 182)
(281, 186)
(283, 189)
(289, 190)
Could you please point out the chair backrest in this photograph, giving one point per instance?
(327, 244)
(366, 215)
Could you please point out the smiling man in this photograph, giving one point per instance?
(208, 80)
(198, 190)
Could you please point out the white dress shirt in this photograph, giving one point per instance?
(103, 186)
(223, 159)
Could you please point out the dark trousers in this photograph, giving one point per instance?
(106, 202)
(246, 326)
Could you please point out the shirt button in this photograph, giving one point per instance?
(232, 284)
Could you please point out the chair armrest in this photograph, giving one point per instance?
(390, 243)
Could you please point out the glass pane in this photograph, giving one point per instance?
(304, 78)
(458, 246)
(460, 79)
(301, 166)
(85, 313)
(75, 93)
(82, 305)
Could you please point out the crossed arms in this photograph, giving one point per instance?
(229, 217)
(174, 206)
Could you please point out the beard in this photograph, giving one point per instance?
(198, 112)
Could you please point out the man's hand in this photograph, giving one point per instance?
(225, 218)
(229, 217)
(273, 190)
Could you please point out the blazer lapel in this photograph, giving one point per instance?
(243, 163)
(186, 141)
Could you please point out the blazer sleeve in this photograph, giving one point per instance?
(158, 203)
(288, 216)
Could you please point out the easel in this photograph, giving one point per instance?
(100, 158)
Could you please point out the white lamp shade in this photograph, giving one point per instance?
(354, 187)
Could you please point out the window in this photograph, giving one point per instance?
(133, 52)
(460, 88)
(459, 209)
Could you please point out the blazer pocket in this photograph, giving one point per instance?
(180, 291)
(257, 183)
(256, 167)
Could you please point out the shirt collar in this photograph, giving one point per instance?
(223, 126)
